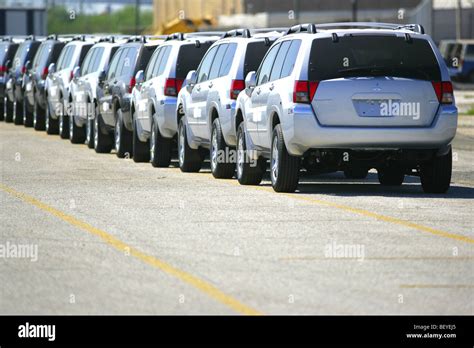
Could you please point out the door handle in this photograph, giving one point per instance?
(272, 86)
(198, 88)
(259, 91)
(211, 84)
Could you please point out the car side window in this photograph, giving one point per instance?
(152, 64)
(87, 62)
(160, 67)
(113, 65)
(205, 66)
(290, 58)
(263, 74)
(95, 61)
(228, 59)
(280, 57)
(216, 63)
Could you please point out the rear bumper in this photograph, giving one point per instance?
(167, 119)
(302, 132)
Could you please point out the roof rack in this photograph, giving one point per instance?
(139, 38)
(302, 28)
(7, 38)
(417, 28)
(268, 30)
(245, 33)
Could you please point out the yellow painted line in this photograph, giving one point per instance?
(194, 281)
(436, 286)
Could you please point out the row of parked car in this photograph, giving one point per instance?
(307, 99)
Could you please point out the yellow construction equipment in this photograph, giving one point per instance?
(184, 25)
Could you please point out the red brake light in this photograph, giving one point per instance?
(236, 87)
(45, 73)
(23, 69)
(304, 91)
(131, 84)
(173, 86)
(444, 91)
(3, 69)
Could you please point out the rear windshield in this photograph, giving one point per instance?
(189, 57)
(364, 55)
(254, 55)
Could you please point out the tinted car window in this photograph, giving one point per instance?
(20, 56)
(65, 58)
(266, 66)
(189, 57)
(161, 63)
(114, 63)
(254, 55)
(87, 62)
(216, 63)
(41, 58)
(95, 61)
(368, 55)
(152, 64)
(290, 58)
(205, 67)
(129, 60)
(228, 59)
(3, 52)
(470, 50)
(278, 65)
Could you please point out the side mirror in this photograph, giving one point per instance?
(27, 66)
(191, 78)
(139, 77)
(250, 80)
(102, 76)
(52, 68)
(76, 73)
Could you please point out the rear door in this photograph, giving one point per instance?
(196, 111)
(374, 81)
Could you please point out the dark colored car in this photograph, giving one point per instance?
(15, 87)
(117, 84)
(35, 81)
(7, 51)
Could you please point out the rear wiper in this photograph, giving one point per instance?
(370, 69)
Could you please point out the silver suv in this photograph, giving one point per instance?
(59, 97)
(351, 97)
(206, 106)
(86, 92)
(154, 97)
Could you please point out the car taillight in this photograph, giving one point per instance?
(444, 92)
(3, 69)
(236, 87)
(131, 84)
(23, 69)
(304, 91)
(173, 86)
(45, 73)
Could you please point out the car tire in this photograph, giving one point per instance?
(8, 110)
(391, 176)
(39, 123)
(284, 168)
(356, 173)
(77, 135)
(2, 111)
(220, 169)
(123, 138)
(190, 160)
(436, 175)
(27, 115)
(17, 114)
(247, 174)
(90, 133)
(160, 147)
(141, 150)
(64, 126)
(103, 142)
(51, 124)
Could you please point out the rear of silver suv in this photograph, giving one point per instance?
(329, 98)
